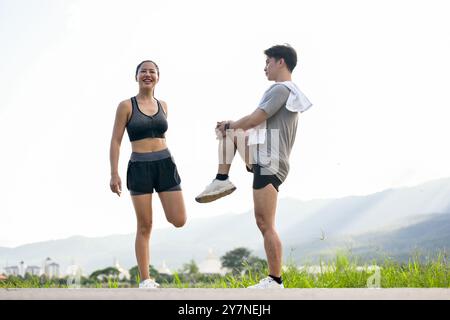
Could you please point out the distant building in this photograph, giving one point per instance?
(52, 270)
(211, 265)
(12, 271)
(163, 269)
(22, 267)
(123, 273)
(33, 270)
(49, 268)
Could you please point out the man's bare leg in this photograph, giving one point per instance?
(227, 150)
(265, 201)
(222, 186)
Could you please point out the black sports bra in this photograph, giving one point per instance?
(142, 126)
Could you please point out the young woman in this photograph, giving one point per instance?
(151, 165)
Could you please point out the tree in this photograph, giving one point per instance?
(104, 274)
(189, 272)
(256, 264)
(234, 259)
(190, 268)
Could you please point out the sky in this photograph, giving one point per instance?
(377, 73)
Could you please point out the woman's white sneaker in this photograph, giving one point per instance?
(267, 283)
(148, 284)
(216, 190)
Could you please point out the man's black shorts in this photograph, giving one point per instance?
(260, 181)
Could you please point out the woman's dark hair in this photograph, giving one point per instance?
(140, 64)
(283, 51)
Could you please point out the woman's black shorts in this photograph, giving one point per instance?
(152, 170)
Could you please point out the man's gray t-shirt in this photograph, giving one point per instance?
(281, 126)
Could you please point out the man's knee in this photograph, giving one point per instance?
(263, 224)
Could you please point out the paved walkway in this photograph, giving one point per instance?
(226, 294)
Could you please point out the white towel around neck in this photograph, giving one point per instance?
(296, 102)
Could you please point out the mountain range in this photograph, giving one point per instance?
(394, 222)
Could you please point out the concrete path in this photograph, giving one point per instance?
(226, 294)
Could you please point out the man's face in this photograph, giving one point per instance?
(271, 68)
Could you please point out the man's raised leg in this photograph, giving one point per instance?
(221, 185)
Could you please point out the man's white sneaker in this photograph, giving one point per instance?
(148, 284)
(267, 283)
(215, 190)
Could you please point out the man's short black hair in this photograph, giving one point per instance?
(283, 51)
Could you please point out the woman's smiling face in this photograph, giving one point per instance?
(148, 75)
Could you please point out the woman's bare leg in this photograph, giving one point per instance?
(143, 208)
(173, 205)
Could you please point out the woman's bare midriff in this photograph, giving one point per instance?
(148, 145)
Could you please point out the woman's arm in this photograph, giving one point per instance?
(116, 140)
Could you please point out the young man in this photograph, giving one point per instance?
(264, 140)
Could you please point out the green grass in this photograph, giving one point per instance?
(31, 282)
(342, 272)
(113, 283)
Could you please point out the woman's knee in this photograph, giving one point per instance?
(144, 229)
(178, 220)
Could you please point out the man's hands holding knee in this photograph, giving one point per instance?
(222, 127)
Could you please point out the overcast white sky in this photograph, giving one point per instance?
(377, 73)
